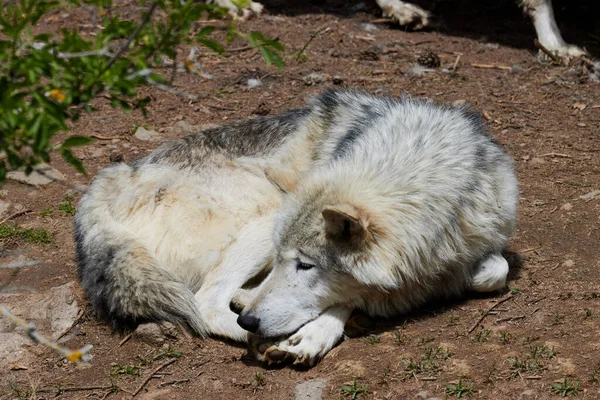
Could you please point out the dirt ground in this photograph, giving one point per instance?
(547, 117)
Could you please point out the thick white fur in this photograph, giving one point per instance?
(211, 228)
(238, 13)
(403, 177)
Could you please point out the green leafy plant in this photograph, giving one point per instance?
(67, 206)
(372, 339)
(460, 389)
(356, 390)
(29, 235)
(47, 80)
(566, 388)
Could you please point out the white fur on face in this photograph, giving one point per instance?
(291, 296)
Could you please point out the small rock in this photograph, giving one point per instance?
(253, 83)
(417, 71)
(156, 334)
(147, 135)
(35, 178)
(567, 207)
(337, 80)
(369, 27)
(310, 390)
(568, 264)
(52, 311)
(459, 103)
(94, 152)
(205, 127)
(490, 46)
(150, 334)
(351, 368)
(591, 195)
(184, 128)
(527, 393)
(4, 206)
(422, 394)
(538, 160)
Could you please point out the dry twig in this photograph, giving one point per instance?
(485, 314)
(145, 382)
(492, 66)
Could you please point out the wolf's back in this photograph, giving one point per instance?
(124, 282)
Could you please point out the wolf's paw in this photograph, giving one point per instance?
(305, 348)
(406, 14)
(242, 13)
(566, 53)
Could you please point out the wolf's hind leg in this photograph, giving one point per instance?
(490, 275)
(313, 341)
(247, 257)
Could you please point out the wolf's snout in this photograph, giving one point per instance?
(249, 322)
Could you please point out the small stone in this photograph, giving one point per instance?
(184, 128)
(94, 152)
(147, 135)
(567, 207)
(527, 393)
(253, 83)
(310, 390)
(422, 394)
(4, 206)
(591, 195)
(538, 160)
(150, 334)
(156, 334)
(568, 264)
(35, 178)
(459, 103)
(369, 27)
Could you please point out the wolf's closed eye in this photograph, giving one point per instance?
(303, 266)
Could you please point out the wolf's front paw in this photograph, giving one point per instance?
(306, 347)
(406, 14)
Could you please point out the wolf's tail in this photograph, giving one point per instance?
(124, 282)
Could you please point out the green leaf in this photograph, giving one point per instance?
(205, 31)
(71, 159)
(73, 141)
(211, 44)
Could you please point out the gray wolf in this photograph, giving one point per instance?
(352, 202)
(411, 15)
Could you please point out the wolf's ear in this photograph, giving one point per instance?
(344, 223)
(285, 179)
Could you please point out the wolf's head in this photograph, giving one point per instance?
(325, 246)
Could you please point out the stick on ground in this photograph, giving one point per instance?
(485, 314)
(145, 382)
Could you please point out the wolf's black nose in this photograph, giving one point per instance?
(249, 322)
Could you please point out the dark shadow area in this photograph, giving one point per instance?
(498, 21)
